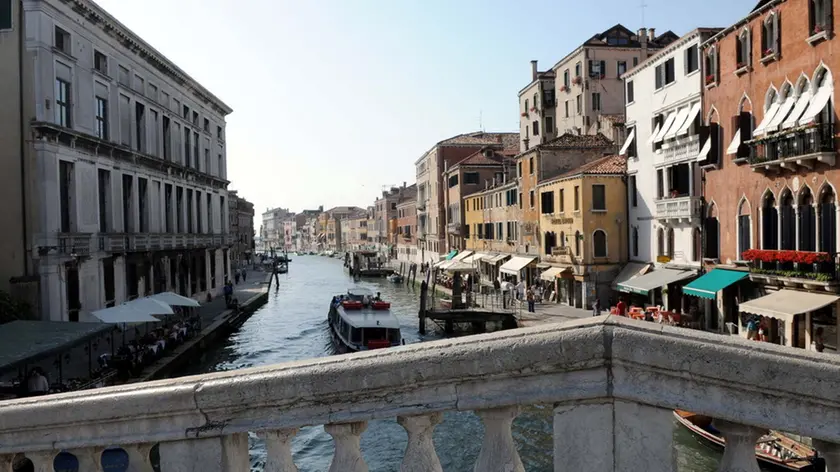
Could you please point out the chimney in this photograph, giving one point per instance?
(404, 182)
(651, 34)
(643, 40)
(533, 70)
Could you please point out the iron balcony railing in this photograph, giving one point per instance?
(801, 142)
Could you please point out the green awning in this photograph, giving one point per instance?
(451, 255)
(712, 282)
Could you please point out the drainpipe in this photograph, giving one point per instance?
(22, 142)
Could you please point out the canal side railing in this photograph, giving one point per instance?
(613, 384)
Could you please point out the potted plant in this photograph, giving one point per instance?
(524, 114)
(740, 65)
(769, 52)
(818, 29)
(577, 80)
(710, 79)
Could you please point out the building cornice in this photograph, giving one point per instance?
(742, 22)
(97, 16)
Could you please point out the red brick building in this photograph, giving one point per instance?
(770, 173)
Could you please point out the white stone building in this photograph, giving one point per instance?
(125, 173)
(664, 140)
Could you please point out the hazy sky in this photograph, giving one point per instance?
(334, 98)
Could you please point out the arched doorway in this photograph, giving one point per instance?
(712, 229)
(828, 220)
(807, 221)
(744, 229)
(787, 221)
(769, 222)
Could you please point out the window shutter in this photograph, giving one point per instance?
(717, 64)
(748, 59)
(829, 16)
(777, 26)
(604, 68)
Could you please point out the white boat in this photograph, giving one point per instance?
(360, 322)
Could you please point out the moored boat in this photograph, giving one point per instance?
(395, 278)
(773, 450)
(360, 321)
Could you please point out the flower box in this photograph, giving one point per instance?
(710, 79)
(524, 114)
(768, 52)
(577, 80)
(563, 88)
(797, 257)
(818, 29)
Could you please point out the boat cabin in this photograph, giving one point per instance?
(362, 321)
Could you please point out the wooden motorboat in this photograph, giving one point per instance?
(773, 450)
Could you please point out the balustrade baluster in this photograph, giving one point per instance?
(420, 455)
(279, 450)
(348, 451)
(139, 459)
(90, 459)
(739, 455)
(830, 452)
(43, 461)
(216, 454)
(6, 462)
(498, 452)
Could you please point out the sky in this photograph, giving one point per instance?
(334, 99)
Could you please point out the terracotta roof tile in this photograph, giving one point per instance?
(481, 159)
(569, 140)
(615, 118)
(507, 140)
(605, 165)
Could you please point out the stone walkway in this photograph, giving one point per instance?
(242, 291)
(550, 313)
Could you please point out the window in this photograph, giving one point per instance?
(471, 178)
(66, 191)
(139, 84)
(167, 139)
(531, 198)
(577, 69)
(5, 14)
(578, 105)
(536, 127)
(634, 199)
(187, 160)
(819, 16)
(549, 125)
(453, 180)
(577, 198)
(101, 118)
(519, 168)
(62, 41)
(597, 69)
(567, 108)
(577, 243)
(635, 242)
(127, 199)
(186, 112)
(562, 200)
(660, 242)
(630, 95)
(206, 125)
(635, 61)
(195, 155)
(520, 200)
(531, 165)
(770, 43)
(548, 98)
(153, 91)
(526, 107)
(566, 80)
(547, 202)
(744, 240)
(104, 189)
(62, 103)
(742, 49)
(100, 62)
(620, 68)
(599, 197)
(691, 59)
(195, 118)
(599, 243)
(664, 73)
(711, 65)
(219, 132)
(140, 131)
(596, 101)
(499, 234)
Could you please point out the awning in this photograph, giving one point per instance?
(474, 258)
(452, 254)
(736, 142)
(462, 255)
(692, 115)
(768, 117)
(173, 299)
(801, 105)
(516, 263)
(459, 266)
(777, 120)
(817, 104)
(665, 127)
(25, 341)
(654, 133)
(658, 278)
(786, 304)
(627, 143)
(497, 258)
(149, 306)
(123, 314)
(630, 271)
(678, 123)
(712, 282)
(552, 272)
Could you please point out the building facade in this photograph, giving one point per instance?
(771, 178)
(664, 139)
(492, 216)
(583, 225)
(537, 107)
(273, 227)
(241, 213)
(407, 231)
(123, 163)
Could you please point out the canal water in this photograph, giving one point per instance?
(292, 325)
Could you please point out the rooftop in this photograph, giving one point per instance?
(619, 36)
(609, 165)
(575, 141)
(485, 157)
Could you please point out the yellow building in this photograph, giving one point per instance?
(583, 218)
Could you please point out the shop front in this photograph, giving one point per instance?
(557, 279)
(795, 318)
(659, 288)
(712, 291)
(519, 269)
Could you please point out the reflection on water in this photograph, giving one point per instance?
(293, 326)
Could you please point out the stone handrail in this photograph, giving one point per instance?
(613, 383)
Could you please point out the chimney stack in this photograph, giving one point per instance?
(534, 70)
(651, 34)
(643, 40)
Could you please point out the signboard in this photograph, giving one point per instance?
(562, 221)
(663, 259)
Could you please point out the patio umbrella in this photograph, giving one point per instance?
(173, 299)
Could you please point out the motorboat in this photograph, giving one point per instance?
(395, 278)
(774, 450)
(361, 321)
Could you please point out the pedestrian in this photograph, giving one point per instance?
(520, 290)
(530, 300)
(596, 307)
(244, 277)
(819, 345)
(37, 383)
(236, 276)
(621, 308)
(228, 291)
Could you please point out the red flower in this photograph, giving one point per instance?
(769, 52)
(710, 79)
(799, 257)
(818, 29)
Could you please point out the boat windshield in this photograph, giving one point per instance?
(382, 334)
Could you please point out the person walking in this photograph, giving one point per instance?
(228, 291)
(244, 277)
(37, 383)
(236, 276)
(530, 297)
(596, 307)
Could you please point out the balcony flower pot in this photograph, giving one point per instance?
(710, 79)
(818, 29)
(524, 114)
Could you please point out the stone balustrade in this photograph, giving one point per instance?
(613, 383)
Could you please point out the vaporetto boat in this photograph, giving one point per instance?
(360, 321)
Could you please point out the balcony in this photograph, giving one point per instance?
(794, 269)
(141, 242)
(610, 411)
(454, 228)
(678, 209)
(561, 255)
(74, 244)
(799, 149)
(686, 149)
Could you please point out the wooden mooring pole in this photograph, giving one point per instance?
(424, 287)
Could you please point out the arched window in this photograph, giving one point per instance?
(787, 221)
(769, 222)
(577, 243)
(660, 242)
(599, 243)
(671, 243)
(635, 241)
(744, 240)
(712, 229)
(828, 220)
(696, 245)
(807, 221)
(550, 242)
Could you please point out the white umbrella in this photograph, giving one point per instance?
(173, 299)
(150, 306)
(123, 314)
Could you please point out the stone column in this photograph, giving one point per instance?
(498, 451)
(216, 454)
(816, 225)
(613, 435)
(43, 461)
(796, 226)
(739, 455)
(348, 452)
(278, 449)
(420, 455)
(778, 226)
(808, 331)
(830, 452)
(6, 462)
(139, 459)
(90, 459)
